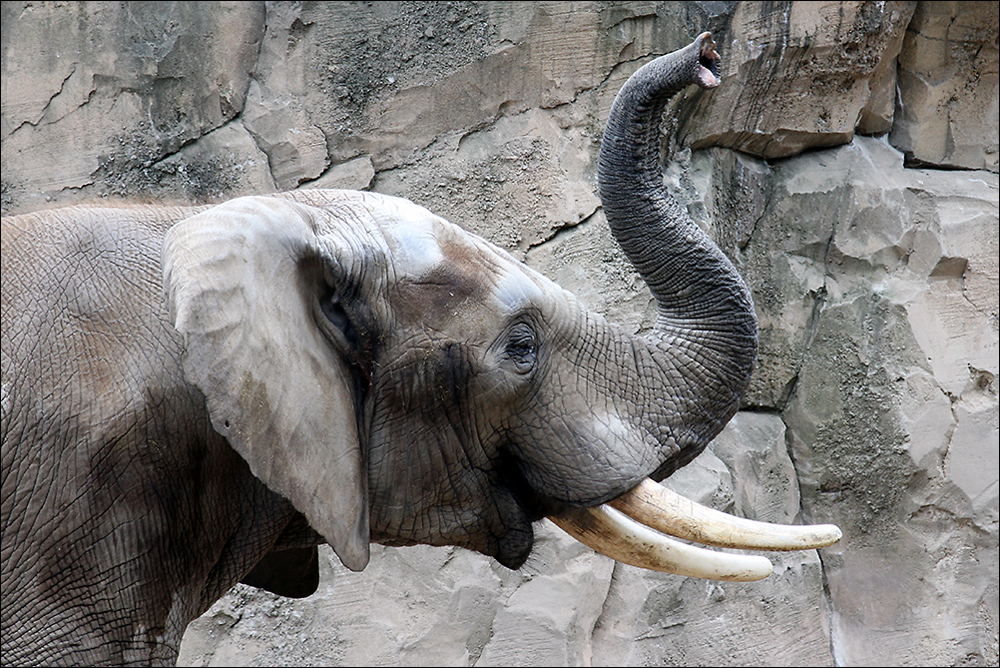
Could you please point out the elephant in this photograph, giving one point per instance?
(194, 397)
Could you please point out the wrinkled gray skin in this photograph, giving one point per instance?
(197, 397)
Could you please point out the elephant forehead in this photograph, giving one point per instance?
(424, 248)
(413, 248)
(428, 250)
(456, 280)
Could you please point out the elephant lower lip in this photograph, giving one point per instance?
(515, 546)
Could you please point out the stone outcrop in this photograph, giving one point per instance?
(946, 111)
(847, 164)
(802, 75)
(96, 95)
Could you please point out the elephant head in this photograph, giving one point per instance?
(401, 380)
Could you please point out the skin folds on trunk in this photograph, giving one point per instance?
(705, 340)
(703, 346)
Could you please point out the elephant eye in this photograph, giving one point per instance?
(335, 313)
(522, 348)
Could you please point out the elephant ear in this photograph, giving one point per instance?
(242, 287)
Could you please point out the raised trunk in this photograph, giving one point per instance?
(692, 370)
(705, 340)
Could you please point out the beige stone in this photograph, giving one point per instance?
(356, 174)
(891, 417)
(96, 93)
(800, 75)
(949, 99)
(219, 165)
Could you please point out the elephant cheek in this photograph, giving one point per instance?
(586, 459)
(432, 491)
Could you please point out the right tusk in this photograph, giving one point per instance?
(614, 535)
(628, 529)
(665, 510)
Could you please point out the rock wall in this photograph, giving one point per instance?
(847, 164)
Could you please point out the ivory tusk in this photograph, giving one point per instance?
(665, 510)
(628, 529)
(611, 533)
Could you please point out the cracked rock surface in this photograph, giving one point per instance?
(848, 166)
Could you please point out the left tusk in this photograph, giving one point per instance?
(665, 510)
(628, 529)
(614, 535)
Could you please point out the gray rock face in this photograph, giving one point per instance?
(887, 420)
(96, 95)
(801, 75)
(948, 77)
(848, 166)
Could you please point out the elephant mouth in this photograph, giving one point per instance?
(708, 63)
(641, 526)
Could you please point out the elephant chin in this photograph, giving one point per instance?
(635, 527)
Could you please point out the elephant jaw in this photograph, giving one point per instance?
(628, 529)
